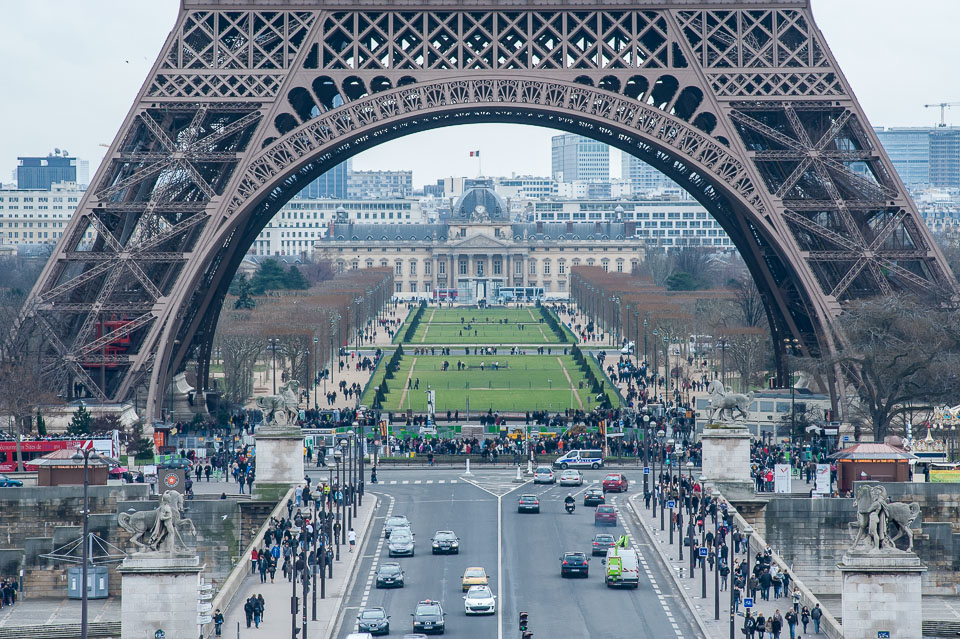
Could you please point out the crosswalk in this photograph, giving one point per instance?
(404, 482)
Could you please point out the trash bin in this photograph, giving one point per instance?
(98, 582)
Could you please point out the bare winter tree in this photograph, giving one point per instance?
(21, 394)
(899, 354)
(658, 266)
(746, 298)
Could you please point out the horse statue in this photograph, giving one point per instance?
(158, 530)
(281, 409)
(727, 404)
(876, 513)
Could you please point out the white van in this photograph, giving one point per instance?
(622, 568)
(592, 458)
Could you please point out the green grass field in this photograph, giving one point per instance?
(530, 382)
(449, 326)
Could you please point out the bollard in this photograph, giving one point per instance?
(468, 473)
(519, 478)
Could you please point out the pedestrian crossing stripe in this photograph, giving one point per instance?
(394, 482)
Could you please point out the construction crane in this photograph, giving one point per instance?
(943, 107)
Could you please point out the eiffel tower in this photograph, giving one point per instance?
(739, 102)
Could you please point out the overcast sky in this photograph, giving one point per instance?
(70, 70)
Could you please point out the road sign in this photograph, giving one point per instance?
(646, 470)
(846, 438)
(203, 619)
(748, 602)
(671, 504)
(703, 552)
(883, 634)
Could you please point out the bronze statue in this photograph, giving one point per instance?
(162, 525)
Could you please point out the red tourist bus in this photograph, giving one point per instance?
(34, 449)
(445, 294)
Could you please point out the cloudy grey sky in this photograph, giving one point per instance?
(70, 70)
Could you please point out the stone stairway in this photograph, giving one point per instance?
(61, 631)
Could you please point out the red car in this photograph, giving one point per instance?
(605, 515)
(615, 481)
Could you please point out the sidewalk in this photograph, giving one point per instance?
(276, 618)
(692, 589)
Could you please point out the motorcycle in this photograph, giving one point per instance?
(570, 507)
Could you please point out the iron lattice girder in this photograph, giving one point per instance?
(181, 158)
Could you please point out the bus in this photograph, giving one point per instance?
(34, 449)
(519, 294)
(445, 294)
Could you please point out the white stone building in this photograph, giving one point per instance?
(38, 216)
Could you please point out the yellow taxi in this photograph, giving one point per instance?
(473, 576)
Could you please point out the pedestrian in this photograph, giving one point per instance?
(816, 614)
(373, 474)
(352, 538)
(805, 617)
(791, 619)
(257, 611)
(248, 610)
(776, 625)
(796, 600)
(254, 555)
(749, 625)
(218, 622)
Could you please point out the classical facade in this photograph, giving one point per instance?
(480, 249)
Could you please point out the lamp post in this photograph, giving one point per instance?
(732, 512)
(316, 371)
(273, 341)
(86, 455)
(656, 332)
(645, 325)
(360, 460)
(354, 467)
(337, 458)
(746, 537)
(348, 480)
(723, 361)
(791, 345)
(646, 448)
(662, 457)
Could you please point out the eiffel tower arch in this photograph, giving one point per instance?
(739, 102)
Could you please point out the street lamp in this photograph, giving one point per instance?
(337, 458)
(316, 371)
(791, 345)
(273, 348)
(746, 537)
(86, 455)
(723, 362)
(348, 480)
(732, 512)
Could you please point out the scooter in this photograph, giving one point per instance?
(570, 507)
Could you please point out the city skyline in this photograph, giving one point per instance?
(100, 80)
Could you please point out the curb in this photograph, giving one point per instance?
(334, 622)
(669, 569)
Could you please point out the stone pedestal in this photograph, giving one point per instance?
(726, 460)
(159, 592)
(881, 592)
(279, 461)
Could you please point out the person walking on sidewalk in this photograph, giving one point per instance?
(796, 600)
(749, 625)
(253, 561)
(218, 622)
(791, 619)
(352, 538)
(248, 610)
(805, 618)
(816, 614)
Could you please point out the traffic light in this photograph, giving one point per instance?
(523, 621)
(383, 428)
(294, 605)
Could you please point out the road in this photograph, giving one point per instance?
(521, 559)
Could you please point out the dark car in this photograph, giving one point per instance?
(605, 515)
(574, 563)
(176, 462)
(615, 482)
(445, 541)
(593, 497)
(528, 504)
(601, 542)
(7, 482)
(397, 521)
(376, 621)
(428, 617)
(390, 576)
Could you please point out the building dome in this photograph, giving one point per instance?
(480, 204)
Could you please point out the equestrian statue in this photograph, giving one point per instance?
(877, 515)
(726, 405)
(281, 409)
(159, 530)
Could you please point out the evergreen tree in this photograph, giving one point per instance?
(41, 425)
(138, 445)
(270, 276)
(295, 280)
(81, 423)
(244, 302)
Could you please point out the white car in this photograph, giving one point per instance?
(480, 600)
(571, 478)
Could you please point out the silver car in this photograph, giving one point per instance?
(571, 477)
(543, 475)
(401, 543)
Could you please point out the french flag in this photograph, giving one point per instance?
(474, 154)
